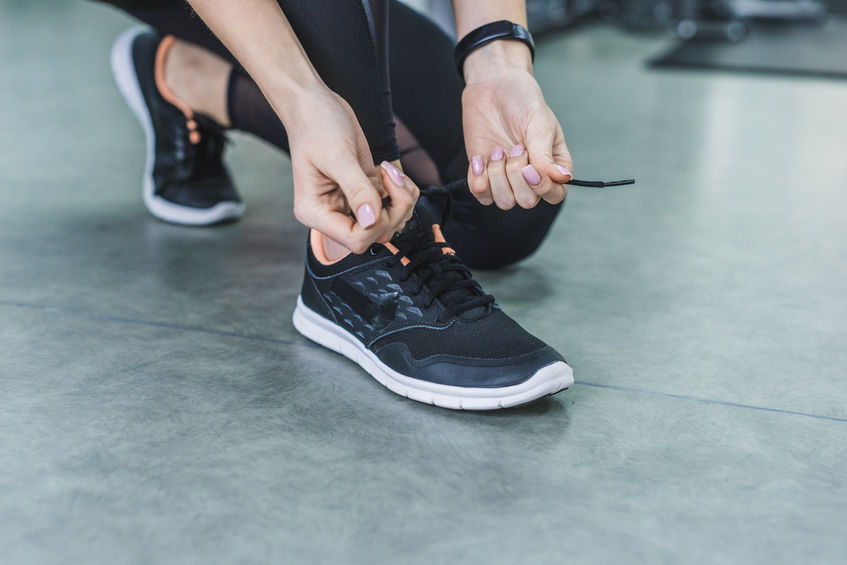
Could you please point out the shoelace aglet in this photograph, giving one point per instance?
(599, 183)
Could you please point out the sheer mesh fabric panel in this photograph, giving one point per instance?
(250, 111)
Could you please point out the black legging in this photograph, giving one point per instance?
(348, 42)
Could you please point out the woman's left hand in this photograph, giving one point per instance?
(514, 141)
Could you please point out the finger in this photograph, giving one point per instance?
(478, 181)
(403, 195)
(555, 194)
(535, 173)
(542, 186)
(562, 156)
(554, 162)
(541, 175)
(341, 228)
(501, 192)
(517, 171)
(362, 196)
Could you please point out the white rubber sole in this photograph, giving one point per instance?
(123, 69)
(549, 380)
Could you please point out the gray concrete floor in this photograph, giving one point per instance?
(157, 406)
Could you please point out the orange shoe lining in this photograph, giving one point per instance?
(439, 237)
(390, 246)
(317, 241)
(167, 93)
(320, 253)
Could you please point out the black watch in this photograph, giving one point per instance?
(502, 29)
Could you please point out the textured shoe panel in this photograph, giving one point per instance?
(370, 301)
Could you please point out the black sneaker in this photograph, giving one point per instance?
(409, 313)
(185, 181)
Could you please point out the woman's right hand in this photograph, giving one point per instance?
(337, 188)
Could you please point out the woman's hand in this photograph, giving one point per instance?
(337, 189)
(515, 143)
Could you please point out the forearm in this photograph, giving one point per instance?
(258, 34)
(488, 60)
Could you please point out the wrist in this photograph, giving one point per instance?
(288, 95)
(492, 59)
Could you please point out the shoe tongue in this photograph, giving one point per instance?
(421, 222)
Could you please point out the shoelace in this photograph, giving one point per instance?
(599, 183)
(443, 195)
(443, 274)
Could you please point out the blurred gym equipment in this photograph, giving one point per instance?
(799, 37)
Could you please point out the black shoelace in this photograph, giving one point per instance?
(443, 195)
(599, 183)
(443, 274)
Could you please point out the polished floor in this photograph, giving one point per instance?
(157, 406)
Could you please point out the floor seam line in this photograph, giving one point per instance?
(710, 401)
(151, 323)
(120, 319)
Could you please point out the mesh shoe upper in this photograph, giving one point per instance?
(491, 336)
(419, 310)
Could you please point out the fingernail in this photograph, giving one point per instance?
(563, 171)
(394, 173)
(531, 175)
(476, 165)
(497, 153)
(516, 150)
(366, 216)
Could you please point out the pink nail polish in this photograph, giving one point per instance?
(516, 150)
(366, 216)
(531, 175)
(394, 173)
(563, 171)
(476, 165)
(497, 154)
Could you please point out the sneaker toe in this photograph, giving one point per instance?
(468, 372)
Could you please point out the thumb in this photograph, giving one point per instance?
(553, 158)
(362, 196)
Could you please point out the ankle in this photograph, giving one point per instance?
(327, 250)
(334, 250)
(196, 77)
